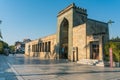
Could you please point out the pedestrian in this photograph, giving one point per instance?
(6, 51)
(13, 53)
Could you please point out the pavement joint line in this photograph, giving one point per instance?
(19, 77)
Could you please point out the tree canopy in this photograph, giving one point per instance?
(114, 43)
(3, 45)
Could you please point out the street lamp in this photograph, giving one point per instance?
(110, 22)
(110, 49)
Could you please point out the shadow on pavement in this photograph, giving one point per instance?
(5, 70)
(21, 59)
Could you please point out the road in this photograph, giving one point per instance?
(21, 67)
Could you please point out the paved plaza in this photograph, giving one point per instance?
(20, 67)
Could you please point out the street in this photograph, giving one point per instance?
(21, 67)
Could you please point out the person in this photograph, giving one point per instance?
(6, 51)
(13, 53)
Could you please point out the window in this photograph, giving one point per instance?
(49, 46)
(42, 47)
(32, 48)
(35, 47)
(45, 46)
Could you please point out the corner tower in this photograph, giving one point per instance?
(68, 18)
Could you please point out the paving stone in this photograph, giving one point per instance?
(2, 78)
(22, 68)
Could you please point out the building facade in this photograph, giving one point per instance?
(77, 37)
(20, 46)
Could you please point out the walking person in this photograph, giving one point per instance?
(13, 53)
(6, 51)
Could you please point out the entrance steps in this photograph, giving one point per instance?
(91, 62)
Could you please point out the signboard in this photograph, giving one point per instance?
(111, 57)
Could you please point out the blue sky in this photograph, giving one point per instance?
(38, 18)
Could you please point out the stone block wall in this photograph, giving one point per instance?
(68, 15)
(28, 47)
(79, 40)
(94, 31)
(42, 54)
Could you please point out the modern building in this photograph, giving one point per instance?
(77, 37)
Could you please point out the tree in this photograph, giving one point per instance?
(115, 45)
(115, 39)
(12, 48)
(3, 45)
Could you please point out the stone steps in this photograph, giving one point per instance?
(100, 63)
(91, 62)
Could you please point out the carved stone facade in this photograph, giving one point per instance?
(43, 47)
(77, 37)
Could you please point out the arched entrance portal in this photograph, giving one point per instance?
(64, 39)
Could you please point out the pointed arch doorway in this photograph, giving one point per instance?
(64, 29)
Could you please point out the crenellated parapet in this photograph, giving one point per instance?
(77, 9)
(80, 10)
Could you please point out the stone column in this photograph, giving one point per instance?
(100, 48)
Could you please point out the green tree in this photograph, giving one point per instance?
(115, 45)
(115, 39)
(3, 45)
(12, 48)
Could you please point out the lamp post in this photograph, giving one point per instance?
(110, 22)
(110, 49)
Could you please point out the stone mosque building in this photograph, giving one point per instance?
(77, 37)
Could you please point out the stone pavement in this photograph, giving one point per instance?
(28, 68)
(6, 72)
